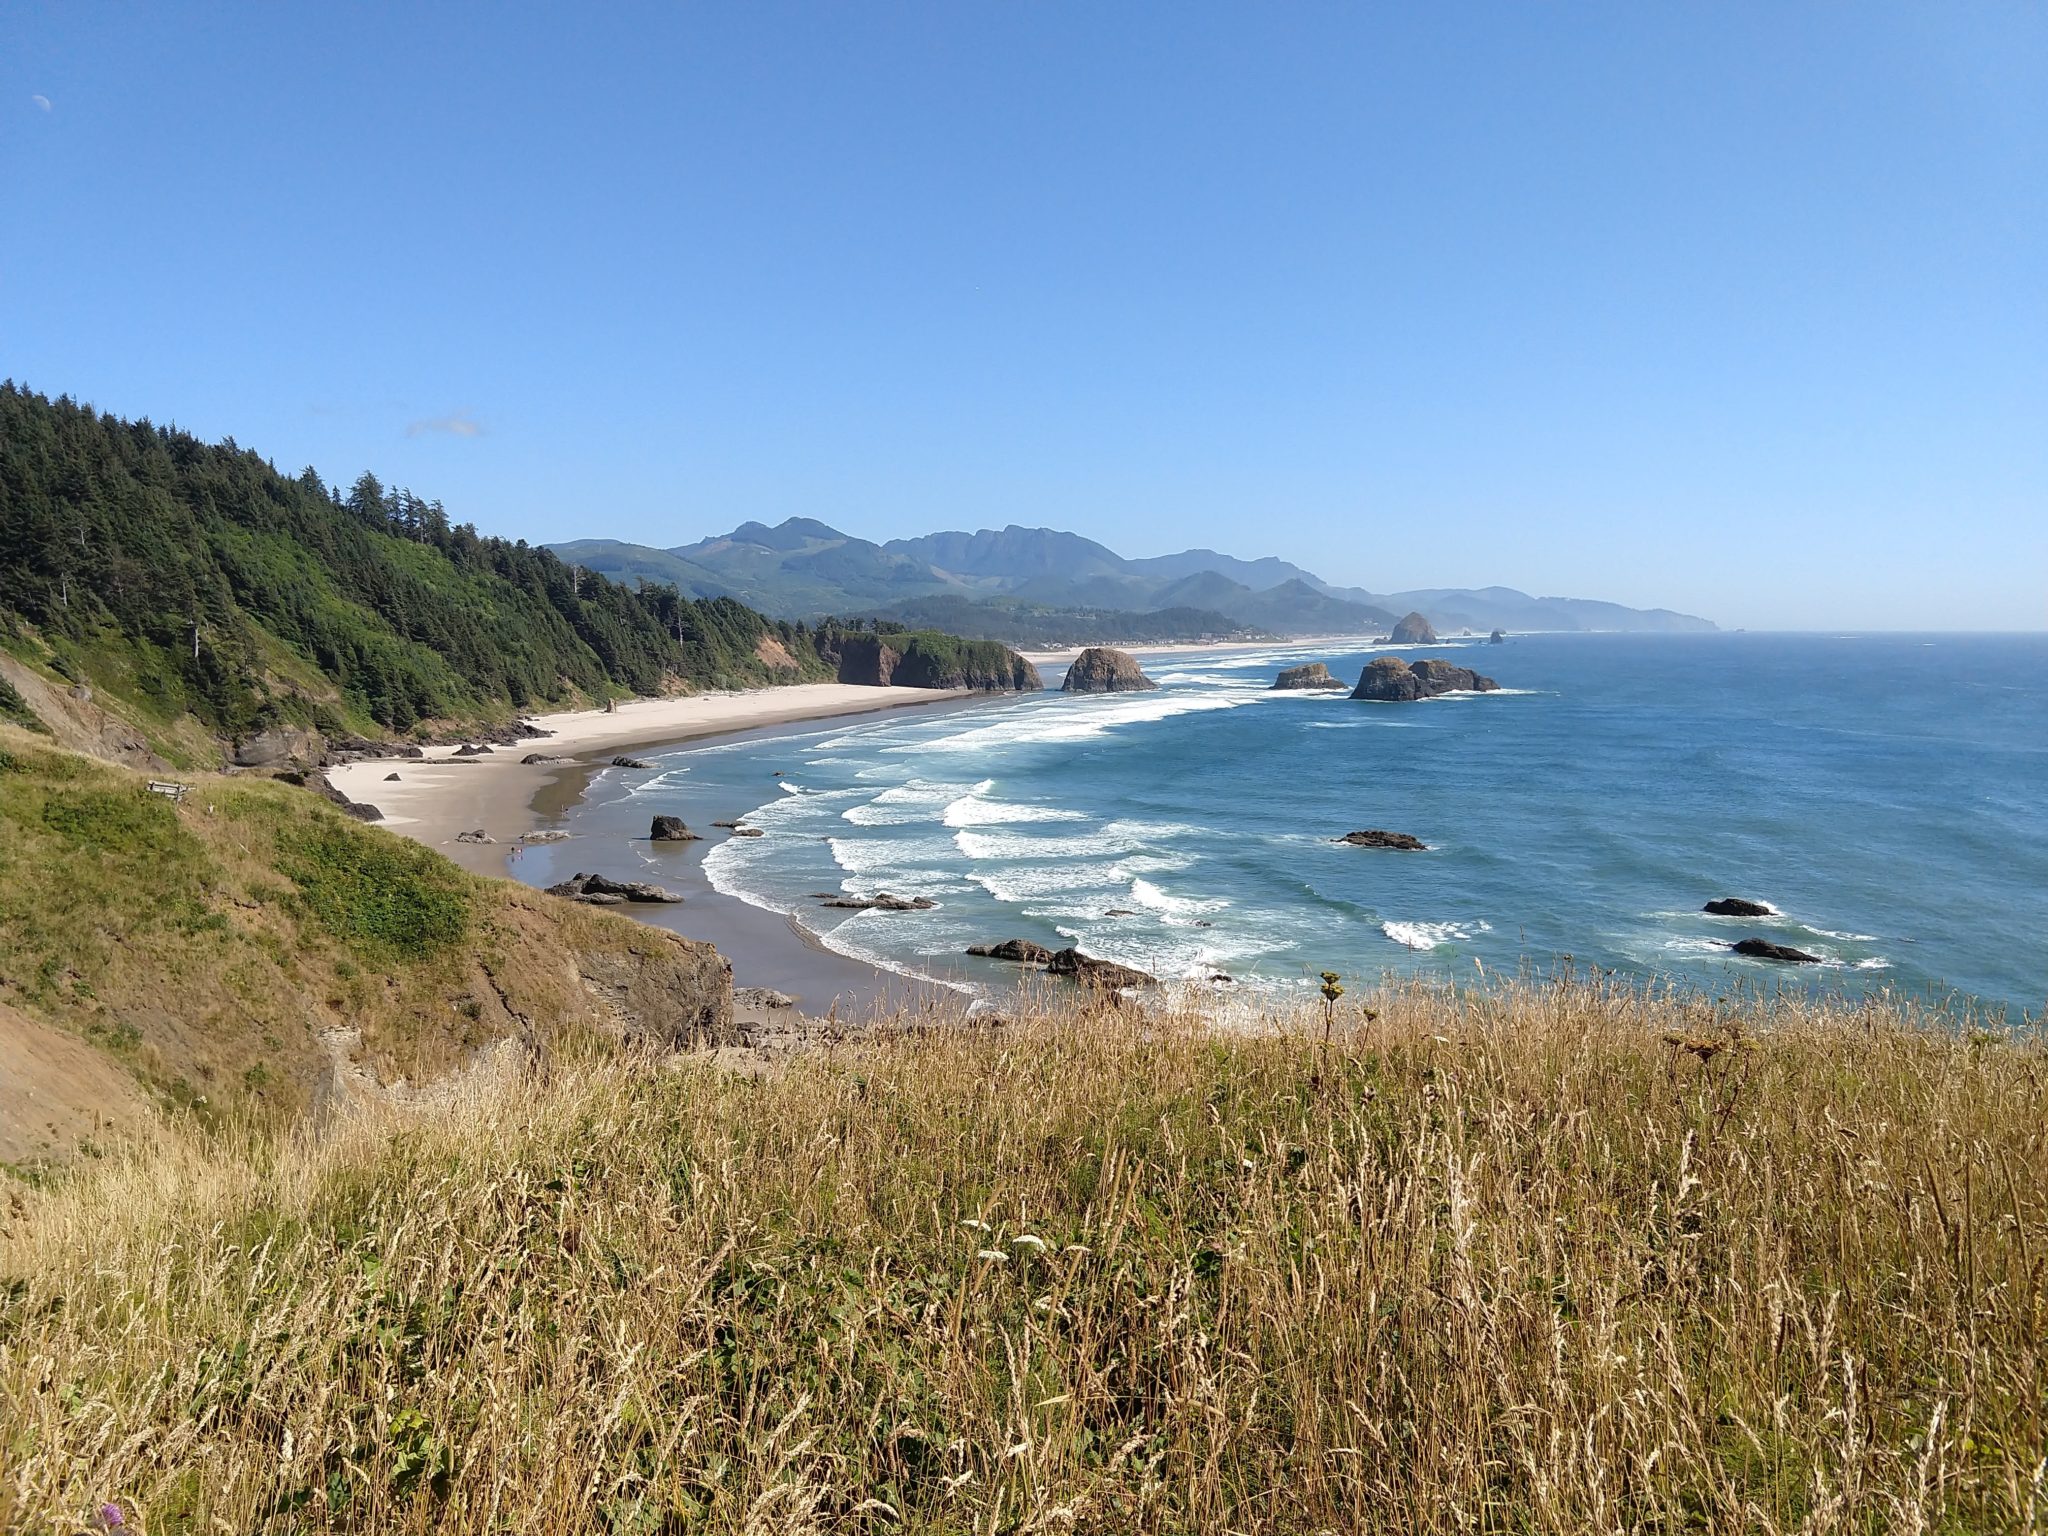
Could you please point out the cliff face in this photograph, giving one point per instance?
(1414, 630)
(1388, 679)
(925, 659)
(1102, 670)
(251, 950)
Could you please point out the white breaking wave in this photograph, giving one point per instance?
(977, 810)
(986, 844)
(1070, 720)
(918, 800)
(1429, 935)
(904, 858)
(1146, 894)
(1022, 883)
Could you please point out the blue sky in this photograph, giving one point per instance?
(1736, 308)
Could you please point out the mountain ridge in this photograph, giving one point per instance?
(803, 568)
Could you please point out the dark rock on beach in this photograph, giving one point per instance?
(1099, 669)
(1376, 837)
(1105, 975)
(670, 829)
(390, 778)
(600, 891)
(478, 836)
(881, 901)
(748, 832)
(1764, 949)
(536, 759)
(473, 751)
(319, 783)
(629, 762)
(1738, 906)
(1023, 951)
(1413, 630)
(1314, 674)
(1388, 679)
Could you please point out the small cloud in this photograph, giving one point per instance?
(41, 101)
(456, 424)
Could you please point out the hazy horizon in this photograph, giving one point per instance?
(1737, 311)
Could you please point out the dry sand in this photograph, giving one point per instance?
(432, 799)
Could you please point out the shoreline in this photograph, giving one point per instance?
(436, 797)
(433, 798)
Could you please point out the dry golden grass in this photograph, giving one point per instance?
(1513, 1261)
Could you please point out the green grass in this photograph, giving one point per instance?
(387, 900)
(1538, 1259)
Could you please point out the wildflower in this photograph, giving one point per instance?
(111, 1518)
(996, 1255)
(1026, 1240)
(978, 1226)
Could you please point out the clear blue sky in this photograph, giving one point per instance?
(1737, 308)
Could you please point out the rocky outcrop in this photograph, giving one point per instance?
(664, 993)
(1388, 679)
(318, 782)
(1314, 674)
(1022, 951)
(469, 749)
(282, 746)
(917, 659)
(1498, 637)
(1377, 837)
(478, 836)
(593, 889)
(761, 997)
(1738, 906)
(1784, 954)
(866, 661)
(881, 901)
(1101, 975)
(1413, 630)
(1099, 669)
(538, 759)
(670, 829)
(630, 762)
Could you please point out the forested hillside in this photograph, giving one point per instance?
(190, 577)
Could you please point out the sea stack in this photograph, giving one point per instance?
(1413, 630)
(1499, 637)
(1390, 680)
(1314, 674)
(1102, 670)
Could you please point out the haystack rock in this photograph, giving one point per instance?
(1312, 674)
(1414, 630)
(670, 829)
(1389, 679)
(1102, 670)
(1498, 637)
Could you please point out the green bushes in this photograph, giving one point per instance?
(386, 899)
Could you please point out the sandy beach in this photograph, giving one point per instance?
(435, 798)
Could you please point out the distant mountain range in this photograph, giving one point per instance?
(1025, 584)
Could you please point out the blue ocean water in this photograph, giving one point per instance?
(1887, 795)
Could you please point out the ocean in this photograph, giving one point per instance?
(1886, 795)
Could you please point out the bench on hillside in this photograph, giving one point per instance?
(169, 791)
